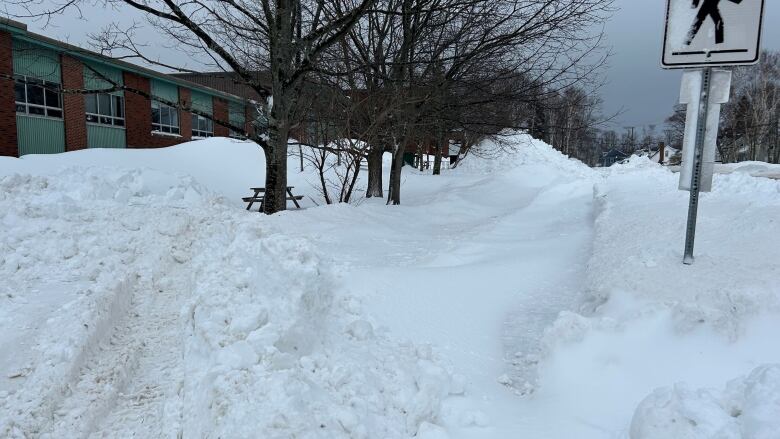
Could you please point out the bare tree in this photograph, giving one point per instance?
(460, 43)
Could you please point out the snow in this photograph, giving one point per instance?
(747, 408)
(521, 294)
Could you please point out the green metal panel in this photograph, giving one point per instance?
(202, 102)
(35, 61)
(21, 35)
(237, 115)
(93, 81)
(99, 136)
(40, 135)
(164, 90)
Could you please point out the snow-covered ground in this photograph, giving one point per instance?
(755, 169)
(520, 296)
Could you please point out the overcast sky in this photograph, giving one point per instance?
(636, 84)
(635, 81)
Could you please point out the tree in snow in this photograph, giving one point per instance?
(438, 61)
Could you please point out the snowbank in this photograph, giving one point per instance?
(148, 278)
(272, 349)
(74, 246)
(747, 409)
(640, 232)
(135, 287)
(651, 321)
(227, 167)
(514, 149)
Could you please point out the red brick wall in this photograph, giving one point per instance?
(138, 110)
(220, 113)
(73, 104)
(185, 117)
(8, 143)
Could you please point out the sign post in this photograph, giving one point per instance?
(696, 171)
(700, 35)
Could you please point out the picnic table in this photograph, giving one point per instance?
(257, 198)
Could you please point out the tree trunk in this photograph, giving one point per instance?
(283, 100)
(394, 191)
(375, 172)
(275, 198)
(438, 152)
(356, 166)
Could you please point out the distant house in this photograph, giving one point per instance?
(665, 155)
(612, 156)
(644, 152)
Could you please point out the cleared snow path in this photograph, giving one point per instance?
(556, 232)
(477, 264)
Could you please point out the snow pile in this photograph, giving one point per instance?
(756, 169)
(651, 321)
(640, 232)
(133, 293)
(511, 150)
(749, 408)
(141, 300)
(74, 246)
(273, 349)
(228, 167)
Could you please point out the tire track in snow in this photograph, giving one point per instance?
(123, 387)
(129, 384)
(149, 404)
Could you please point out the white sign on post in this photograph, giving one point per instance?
(690, 94)
(704, 34)
(712, 32)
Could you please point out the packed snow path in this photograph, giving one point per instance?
(552, 243)
(476, 264)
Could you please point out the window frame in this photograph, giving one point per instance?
(159, 127)
(102, 119)
(199, 133)
(45, 86)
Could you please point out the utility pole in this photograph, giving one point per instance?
(631, 140)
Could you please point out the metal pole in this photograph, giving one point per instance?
(701, 131)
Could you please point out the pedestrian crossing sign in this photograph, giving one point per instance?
(712, 33)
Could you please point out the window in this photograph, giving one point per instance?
(202, 126)
(237, 117)
(38, 98)
(105, 109)
(165, 119)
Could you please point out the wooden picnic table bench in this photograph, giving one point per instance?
(257, 198)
